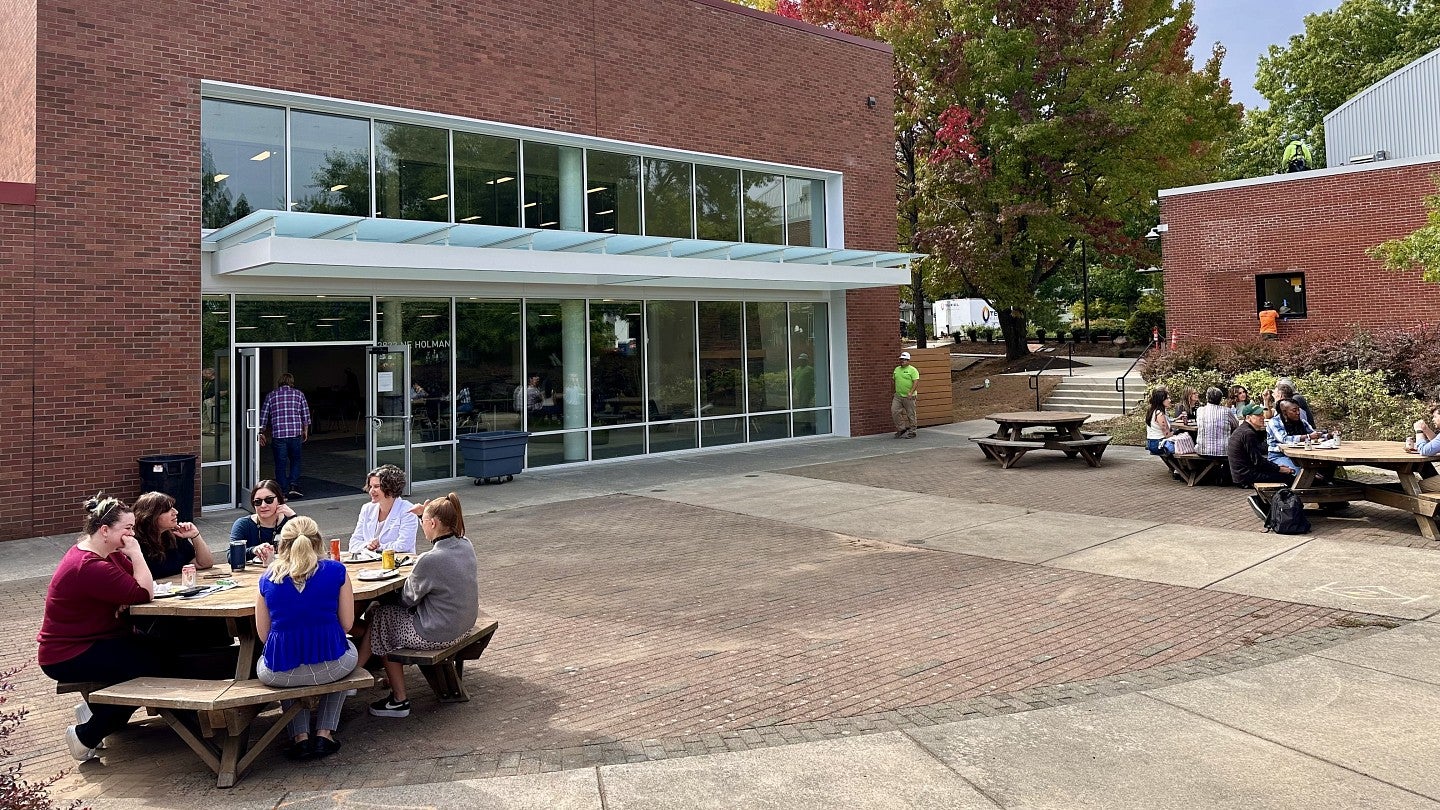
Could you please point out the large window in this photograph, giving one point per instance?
(490, 392)
(487, 185)
(668, 200)
(722, 358)
(589, 379)
(1285, 292)
(354, 165)
(617, 364)
(613, 192)
(301, 319)
(331, 157)
(804, 212)
(242, 160)
(717, 203)
(554, 187)
(767, 353)
(764, 207)
(810, 355)
(412, 172)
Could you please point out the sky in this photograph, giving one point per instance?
(1247, 28)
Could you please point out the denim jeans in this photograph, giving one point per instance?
(287, 461)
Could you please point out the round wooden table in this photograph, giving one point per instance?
(1012, 424)
(1314, 461)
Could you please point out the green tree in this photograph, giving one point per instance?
(1057, 121)
(1418, 251)
(1341, 52)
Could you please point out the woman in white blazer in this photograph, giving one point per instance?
(386, 521)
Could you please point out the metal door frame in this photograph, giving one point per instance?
(375, 420)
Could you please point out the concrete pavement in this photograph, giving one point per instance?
(874, 623)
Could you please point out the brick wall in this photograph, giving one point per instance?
(116, 285)
(17, 91)
(1318, 224)
(17, 368)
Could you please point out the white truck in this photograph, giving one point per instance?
(954, 314)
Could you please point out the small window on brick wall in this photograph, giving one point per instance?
(1284, 291)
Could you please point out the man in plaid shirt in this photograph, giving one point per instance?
(285, 425)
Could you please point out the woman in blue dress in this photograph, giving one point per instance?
(304, 609)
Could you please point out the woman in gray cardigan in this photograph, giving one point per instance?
(438, 604)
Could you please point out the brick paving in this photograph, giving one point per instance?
(1129, 484)
(636, 629)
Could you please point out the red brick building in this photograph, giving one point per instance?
(1299, 241)
(159, 273)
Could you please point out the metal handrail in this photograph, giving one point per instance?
(1120, 381)
(1035, 378)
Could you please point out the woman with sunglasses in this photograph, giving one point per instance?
(258, 530)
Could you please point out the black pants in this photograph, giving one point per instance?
(1269, 477)
(109, 661)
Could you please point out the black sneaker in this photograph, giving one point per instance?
(295, 493)
(390, 707)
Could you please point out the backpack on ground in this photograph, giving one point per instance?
(1287, 514)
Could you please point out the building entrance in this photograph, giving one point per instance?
(334, 460)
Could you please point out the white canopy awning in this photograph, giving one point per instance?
(302, 245)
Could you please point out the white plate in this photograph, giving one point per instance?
(375, 576)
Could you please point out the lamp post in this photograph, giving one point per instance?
(1085, 286)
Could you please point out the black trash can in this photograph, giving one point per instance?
(174, 475)
(493, 454)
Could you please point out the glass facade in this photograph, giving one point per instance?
(331, 164)
(412, 172)
(242, 160)
(554, 187)
(360, 166)
(612, 192)
(487, 179)
(589, 379)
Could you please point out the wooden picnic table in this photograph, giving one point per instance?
(1057, 430)
(1312, 462)
(237, 605)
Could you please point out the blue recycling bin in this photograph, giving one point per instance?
(493, 456)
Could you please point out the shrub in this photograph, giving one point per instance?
(17, 793)
(1149, 314)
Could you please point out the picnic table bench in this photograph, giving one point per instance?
(1193, 467)
(442, 668)
(1020, 432)
(225, 710)
(1314, 495)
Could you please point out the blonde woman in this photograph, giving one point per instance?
(304, 610)
(439, 603)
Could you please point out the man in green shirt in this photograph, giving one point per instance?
(902, 407)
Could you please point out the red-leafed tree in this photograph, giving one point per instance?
(1025, 128)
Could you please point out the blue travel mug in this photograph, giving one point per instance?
(237, 555)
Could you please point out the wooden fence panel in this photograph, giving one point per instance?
(935, 405)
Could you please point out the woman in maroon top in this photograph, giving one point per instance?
(84, 635)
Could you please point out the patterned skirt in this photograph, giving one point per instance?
(392, 627)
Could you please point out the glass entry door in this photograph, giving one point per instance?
(247, 437)
(389, 408)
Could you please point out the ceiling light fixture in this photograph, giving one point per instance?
(339, 187)
(503, 179)
(595, 189)
(217, 178)
(263, 155)
(531, 205)
(470, 218)
(437, 197)
(603, 213)
(548, 224)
